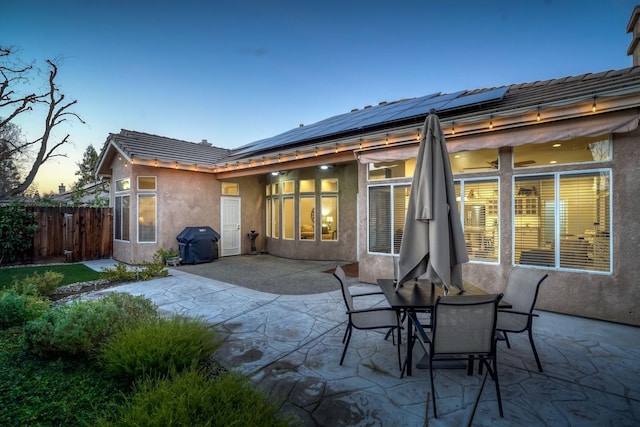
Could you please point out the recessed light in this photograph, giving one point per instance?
(553, 162)
(556, 145)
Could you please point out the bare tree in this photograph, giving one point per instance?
(15, 75)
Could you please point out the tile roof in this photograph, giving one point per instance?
(140, 145)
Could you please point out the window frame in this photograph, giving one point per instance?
(285, 225)
(557, 176)
(121, 218)
(142, 177)
(462, 212)
(154, 197)
(392, 186)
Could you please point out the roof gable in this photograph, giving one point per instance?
(134, 146)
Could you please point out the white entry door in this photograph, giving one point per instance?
(230, 239)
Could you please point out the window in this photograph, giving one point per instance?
(275, 219)
(329, 185)
(329, 209)
(288, 217)
(577, 150)
(268, 218)
(562, 220)
(307, 217)
(474, 161)
(288, 187)
(122, 210)
(121, 217)
(147, 183)
(329, 219)
(232, 189)
(123, 184)
(307, 186)
(387, 212)
(147, 217)
(479, 210)
(392, 169)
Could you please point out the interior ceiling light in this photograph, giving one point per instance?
(491, 123)
(557, 145)
(538, 117)
(275, 173)
(453, 128)
(593, 106)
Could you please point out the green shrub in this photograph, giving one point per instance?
(120, 273)
(152, 270)
(158, 347)
(17, 227)
(123, 273)
(18, 308)
(82, 327)
(37, 284)
(191, 398)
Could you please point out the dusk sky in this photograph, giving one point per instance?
(234, 72)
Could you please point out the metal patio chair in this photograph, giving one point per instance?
(521, 292)
(463, 329)
(369, 318)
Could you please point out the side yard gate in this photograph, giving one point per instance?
(77, 234)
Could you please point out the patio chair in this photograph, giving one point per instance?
(521, 292)
(369, 318)
(463, 329)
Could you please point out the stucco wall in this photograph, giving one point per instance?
(184, 199)
(612, 297)
(251, 210)
(343, 249)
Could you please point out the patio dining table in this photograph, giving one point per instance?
(419, 296)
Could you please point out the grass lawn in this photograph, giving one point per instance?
(73, 273)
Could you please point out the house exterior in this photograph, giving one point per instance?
(546, 175)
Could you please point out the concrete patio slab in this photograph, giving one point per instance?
(291, 346)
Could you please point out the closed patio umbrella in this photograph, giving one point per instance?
(433, 245)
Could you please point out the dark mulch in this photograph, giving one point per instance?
(350, 270)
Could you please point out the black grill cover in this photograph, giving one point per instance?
(198, 244)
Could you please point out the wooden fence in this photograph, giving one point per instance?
(72, 234)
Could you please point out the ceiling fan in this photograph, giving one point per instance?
(375, 168)
(494, 164)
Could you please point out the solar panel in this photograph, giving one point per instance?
(377, 115)
(425, 106)
(476, 98)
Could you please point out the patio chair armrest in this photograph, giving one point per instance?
(367, 294)
(368, 310)
(507, 310)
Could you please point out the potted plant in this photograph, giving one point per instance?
(170, 257)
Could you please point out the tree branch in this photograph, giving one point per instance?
(57, 112)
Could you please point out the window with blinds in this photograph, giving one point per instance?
(562, 220)
(387, 211)
(480, 213)
(147, 203)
